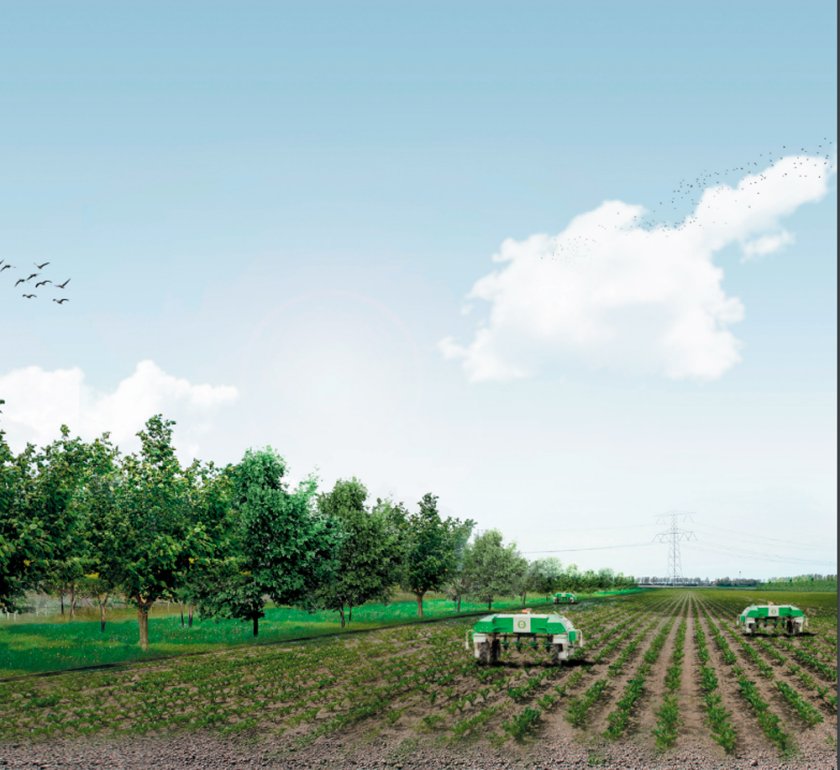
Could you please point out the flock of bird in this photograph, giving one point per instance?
(27, 293)
(688, 192)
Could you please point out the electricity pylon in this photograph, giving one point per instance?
(673, 536)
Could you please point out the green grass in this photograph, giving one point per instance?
(33, 647)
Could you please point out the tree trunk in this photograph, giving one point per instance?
(181, 607)
(256, 625)
(190, 611)
(459, 602)
(419, 604)
(72, 600)
(61, 600)
(102, 602)
(143, 622)
(341, 614)
(524, 598)
(490, 604)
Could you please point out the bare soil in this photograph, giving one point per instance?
(209, 752)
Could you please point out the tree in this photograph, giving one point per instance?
(545, 575)
(521, 577)
(457, 586)
(368, 554)
(23, 539)
(210, 491)
(63, 469)
(492, 569)
(280, 545)
(429, 555)
(103, 531)
(159, 538)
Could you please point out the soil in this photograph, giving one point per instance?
(208, 752)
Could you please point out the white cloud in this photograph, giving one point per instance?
(611, 293)
(766, 244)
(39, 401)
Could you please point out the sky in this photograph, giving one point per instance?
(568, 266)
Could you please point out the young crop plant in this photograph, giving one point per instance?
(472, 723)
(806, 712)
(667, 723)
(767, 719)
(578, 710)
(523, 723)
(810, 661)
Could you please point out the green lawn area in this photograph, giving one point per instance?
(56, 643)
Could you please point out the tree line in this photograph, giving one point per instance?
(80, 518)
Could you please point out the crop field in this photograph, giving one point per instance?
(665, 676)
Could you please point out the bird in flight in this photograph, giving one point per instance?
(19, 280)
(29, 296)
(59, 301)
(5, 267)
(32, 276)
(62, 285)
(40, 267)
(43, 283)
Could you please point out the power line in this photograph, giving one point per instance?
(754, 536)
(601, 529)
(725, 550)
(593, 548)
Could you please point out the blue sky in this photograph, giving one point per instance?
(290, 204)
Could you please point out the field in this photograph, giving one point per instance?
(665, 679)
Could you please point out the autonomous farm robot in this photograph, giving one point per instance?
(777, 617)
(494, 633)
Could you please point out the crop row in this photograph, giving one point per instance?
(767, 719)
(720, 720)
(668, 715)
(619, 718)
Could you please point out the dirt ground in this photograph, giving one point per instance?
(208, 751)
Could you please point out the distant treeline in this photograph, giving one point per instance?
(81, 519)
(802, 583)
(797, 583)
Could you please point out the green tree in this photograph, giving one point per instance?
(429, 550)
(457, 586)
(492, 569)
(24, 544)
(210, 493)
(368, 554)
(63, 470)
(100, 527)
(280, 545)
(545, 575)
(159, 537)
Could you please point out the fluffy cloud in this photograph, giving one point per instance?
(39, 401)
(610, 293)
(766, 244)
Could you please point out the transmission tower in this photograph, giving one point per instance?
(673, 536)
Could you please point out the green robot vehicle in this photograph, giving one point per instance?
(776, 617)
(494, 633)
